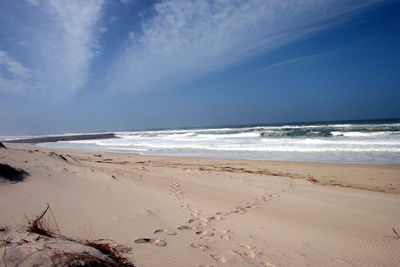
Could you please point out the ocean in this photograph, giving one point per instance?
(369, 142)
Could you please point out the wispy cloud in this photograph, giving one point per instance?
(62, 44)
(128, 1)
(77, 20)
(187, 39)
(175, 41)
(14, 67)
(33, 2)
(301, 59)
(14, 77)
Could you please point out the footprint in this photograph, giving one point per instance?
(245, 246)
(164, 231)
(201, 233)
(201, 225)
(160, 243)
(225, 237)
(156, 242)
(184, 227)
(202, 247)
(221, 231)
(249, 252)
(194, 212)
(218, 258)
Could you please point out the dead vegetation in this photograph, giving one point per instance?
(43, 226)
(79, 259)
(113, 252)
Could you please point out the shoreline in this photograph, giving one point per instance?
(196, 211)
(318, 172)
(66, 150)
(90, 150)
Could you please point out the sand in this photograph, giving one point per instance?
(212, 212)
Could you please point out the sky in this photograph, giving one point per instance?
(97, 65)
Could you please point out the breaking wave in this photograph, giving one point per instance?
(373, 142)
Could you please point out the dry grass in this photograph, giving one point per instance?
(43, 226)
(109, 248)
(81, 259)
(115, 252)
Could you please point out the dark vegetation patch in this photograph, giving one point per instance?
(12, 174)
(2, 146)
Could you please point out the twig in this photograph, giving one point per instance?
(39, 226)
(398, 236)
(43, 213)
(54, 218)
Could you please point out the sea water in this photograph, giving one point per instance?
(376, 142)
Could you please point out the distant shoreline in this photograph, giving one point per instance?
(48, 139)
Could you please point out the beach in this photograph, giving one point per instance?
(211, 212)
(199, 133)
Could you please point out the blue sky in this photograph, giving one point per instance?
(79, 66)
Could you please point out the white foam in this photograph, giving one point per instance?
(367, 143)
(360, 134)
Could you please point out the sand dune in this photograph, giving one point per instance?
(209, 212)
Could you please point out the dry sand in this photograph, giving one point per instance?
(212, 212)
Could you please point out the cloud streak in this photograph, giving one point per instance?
(77, 21)
(302, 59)
(62, 41)
(14, 77)
(184, 40)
